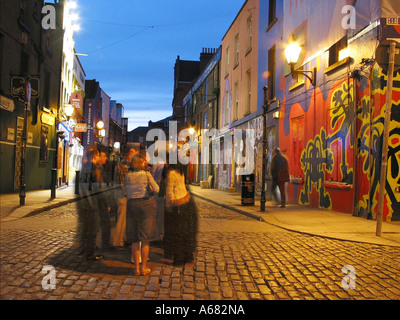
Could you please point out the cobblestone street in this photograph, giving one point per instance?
(238, 258)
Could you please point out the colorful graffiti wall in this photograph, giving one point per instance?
(331, 167)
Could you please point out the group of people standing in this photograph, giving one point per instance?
(154, 205)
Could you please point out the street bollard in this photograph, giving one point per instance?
(77, 179)
(53, 183)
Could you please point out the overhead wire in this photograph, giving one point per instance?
(147, 27)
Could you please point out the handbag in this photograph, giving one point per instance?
(150, 190)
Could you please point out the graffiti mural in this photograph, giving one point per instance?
(392, 197)
(339, 171)
(316, 159)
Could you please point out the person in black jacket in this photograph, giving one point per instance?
(280, 175)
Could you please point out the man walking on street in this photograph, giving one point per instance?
(280, 175)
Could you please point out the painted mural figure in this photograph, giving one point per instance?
(313, 160)
(280, 175)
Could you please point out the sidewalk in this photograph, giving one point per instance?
(40, 200)
(307, 220)
(294, 218)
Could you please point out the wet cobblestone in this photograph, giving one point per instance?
(259, 262)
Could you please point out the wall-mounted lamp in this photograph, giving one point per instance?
(276, 115)
(100, 125)
(69, 110)
(292, 53)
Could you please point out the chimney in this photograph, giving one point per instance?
(205, 57)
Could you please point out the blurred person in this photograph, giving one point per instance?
(280, 175)
(140, 215)
(94, 211)
(158, 172)
(119, 231)
(180, 217)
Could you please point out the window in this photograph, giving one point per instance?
(248, 95)
(236, 50)
(44, 145)
(297, 144)
(194, 104)
(271, 73)
(226, 108)
(227, 62)
(206, 91)
(271, 12)
(249, 33)
(24, 63)
(1, 54)
(236, 101)
(338, 55)
(47, 90)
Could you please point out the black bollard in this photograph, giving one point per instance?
(77, 179)
(53, 183)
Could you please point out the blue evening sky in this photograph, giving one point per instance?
(132, 46)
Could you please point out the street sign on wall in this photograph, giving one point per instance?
(18, 87)
(81, 127)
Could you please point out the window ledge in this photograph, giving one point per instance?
(336, 185)
(296, 85)
(271, 24)
(297, 180)
(337, 65)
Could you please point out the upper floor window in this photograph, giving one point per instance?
(249, 33)
(248, 95)
(271, 73)
(236, 50)
(227, 62)
(271, 12)
(338, 55)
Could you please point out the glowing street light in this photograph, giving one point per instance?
(292, 53)
(69, 110)
(100, 124)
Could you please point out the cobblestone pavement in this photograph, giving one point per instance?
(237, 258)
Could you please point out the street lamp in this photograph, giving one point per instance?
(292, 53)
(69, 110)
(101, 131)
(100, 124)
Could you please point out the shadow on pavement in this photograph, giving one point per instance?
(115, 262)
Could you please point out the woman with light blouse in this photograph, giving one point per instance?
(140, 215)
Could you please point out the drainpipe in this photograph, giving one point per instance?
(355, 148)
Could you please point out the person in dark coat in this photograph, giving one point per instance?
(280, 175)
(94, 211)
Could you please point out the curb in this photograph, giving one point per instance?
(261, 219)
(53, 206)
(251, 215)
